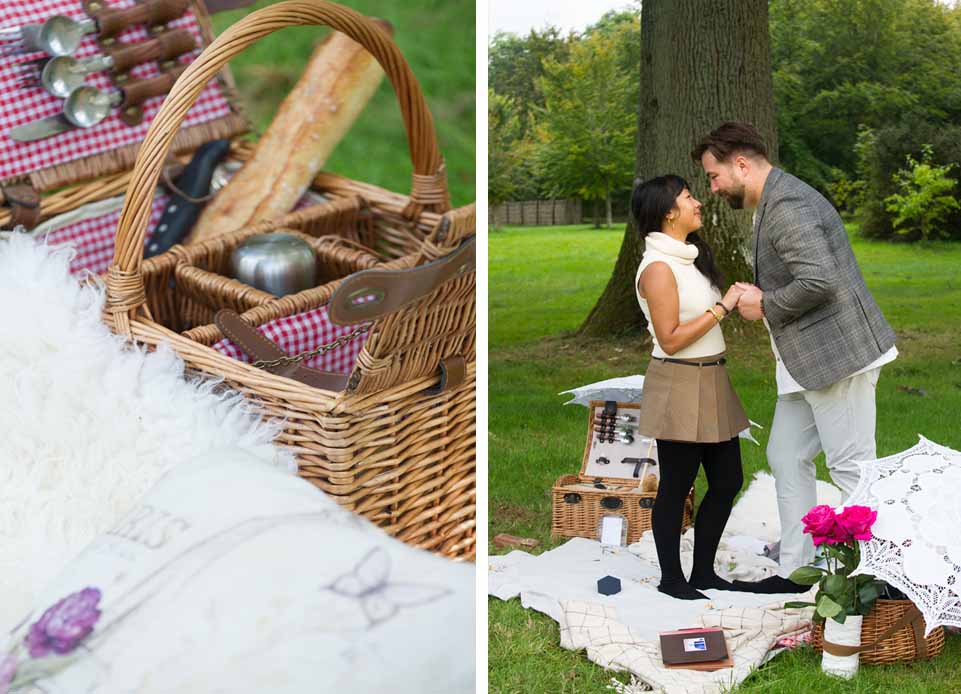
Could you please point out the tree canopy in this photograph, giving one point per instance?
(838, 67)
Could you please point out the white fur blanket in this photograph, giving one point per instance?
(87, 423)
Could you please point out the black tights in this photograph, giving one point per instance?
(679, 462)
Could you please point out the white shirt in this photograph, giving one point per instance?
(786, 383)
(695, 294)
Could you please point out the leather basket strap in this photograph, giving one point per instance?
(912, 616)
(259, 348)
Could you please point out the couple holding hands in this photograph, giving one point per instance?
(828, 336)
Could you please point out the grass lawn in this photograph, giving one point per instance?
(436, 37)
(543, 281)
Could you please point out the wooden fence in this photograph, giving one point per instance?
(537, 213)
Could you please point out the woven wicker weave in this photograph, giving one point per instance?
(580, 518)
(386, 448)
(900, 647)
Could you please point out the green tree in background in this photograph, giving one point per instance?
(503, 126)
(516, 64)
(840, 65)
(586, 136)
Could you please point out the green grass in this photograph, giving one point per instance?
(437, 38)
(543, 281)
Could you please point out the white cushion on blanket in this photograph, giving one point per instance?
(236, 577)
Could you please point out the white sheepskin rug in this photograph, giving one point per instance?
(755, 513)
(88, 423)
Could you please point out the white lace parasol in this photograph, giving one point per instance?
(917, 536)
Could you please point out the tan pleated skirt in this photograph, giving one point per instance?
(682, 402)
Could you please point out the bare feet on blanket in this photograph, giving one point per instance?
(682, 591)
(771, 584)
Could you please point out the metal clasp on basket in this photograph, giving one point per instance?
(339, 342)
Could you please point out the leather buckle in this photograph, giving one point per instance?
(24, 202)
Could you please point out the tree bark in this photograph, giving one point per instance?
(610, 217)
(701, 63)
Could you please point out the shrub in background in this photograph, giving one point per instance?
(882, 153)
(924, 201)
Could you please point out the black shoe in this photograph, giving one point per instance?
(682, 591)
(771, 584)
(712, 582)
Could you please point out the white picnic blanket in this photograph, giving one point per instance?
(620, 632)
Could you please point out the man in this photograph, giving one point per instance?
(828, 335)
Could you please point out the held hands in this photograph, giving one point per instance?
(749, 301)
(732, 297)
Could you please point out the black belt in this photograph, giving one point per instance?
(719, 362)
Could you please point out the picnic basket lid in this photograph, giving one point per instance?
(615, 472)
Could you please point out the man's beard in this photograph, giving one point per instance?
(735, 198)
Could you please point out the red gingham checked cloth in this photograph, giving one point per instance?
(94, 238)
(302, 333)
(19, 106)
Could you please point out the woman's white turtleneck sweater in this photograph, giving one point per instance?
(695, 293)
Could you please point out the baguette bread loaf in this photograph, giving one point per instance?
(336, 85)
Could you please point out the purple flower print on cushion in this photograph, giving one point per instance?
(8, 669)
(64, 625)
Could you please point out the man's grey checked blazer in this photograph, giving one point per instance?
(823, 319)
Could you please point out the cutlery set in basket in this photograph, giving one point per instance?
(371, 369)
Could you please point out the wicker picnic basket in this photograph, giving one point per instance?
(397, 443)
(892, 632)
(577, 504)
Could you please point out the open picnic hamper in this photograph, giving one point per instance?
(393, 438)
(613, 487)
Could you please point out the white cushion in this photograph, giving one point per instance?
(236, 577)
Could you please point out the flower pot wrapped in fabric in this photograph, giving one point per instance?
(842, 599)
(841, 642)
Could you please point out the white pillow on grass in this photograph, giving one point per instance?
(240, 578)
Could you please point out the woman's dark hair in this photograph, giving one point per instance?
(651, 202)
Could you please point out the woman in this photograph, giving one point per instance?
(688, 404)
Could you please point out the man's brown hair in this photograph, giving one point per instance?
(728, 138)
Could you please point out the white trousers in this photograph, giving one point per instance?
(839, 420)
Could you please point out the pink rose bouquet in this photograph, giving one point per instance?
(837, 532)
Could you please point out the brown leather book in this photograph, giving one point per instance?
(695, 649)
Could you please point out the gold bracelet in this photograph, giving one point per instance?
(714, 313)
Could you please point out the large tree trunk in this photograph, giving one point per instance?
(701, 63)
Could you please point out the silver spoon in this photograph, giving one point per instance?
(87, 106)
(61, 75)
(60, 35)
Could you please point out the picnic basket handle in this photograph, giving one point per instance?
(125, 286)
